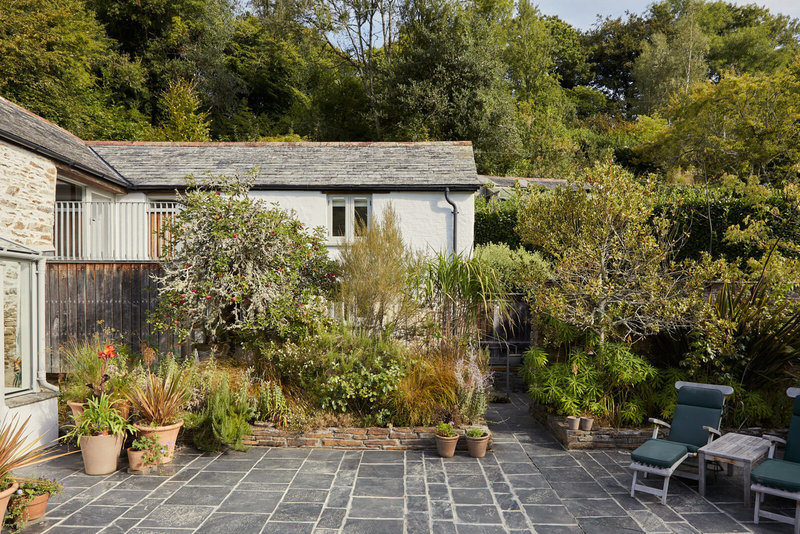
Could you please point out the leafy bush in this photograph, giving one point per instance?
(90, 375)
(609, 383)
(496, 222)
(517, 269)
(375, 276)
(270, 404)
(445, 430)
(224, 420)
(237, 271)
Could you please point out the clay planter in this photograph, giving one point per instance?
(5, 496)
(136, 459)
(166, 435)
(76, 407)
(36, 508)
(100, 453)
(446, 447)
(573, 422)
(586, 423)
(477, 446)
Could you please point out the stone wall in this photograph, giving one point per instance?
(396, 438)
(597, 438)
(11, 281)
(27, 197)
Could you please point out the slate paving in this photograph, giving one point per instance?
(529, 483)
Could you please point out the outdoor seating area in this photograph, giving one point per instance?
(528, 483)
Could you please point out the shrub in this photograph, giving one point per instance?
(496, 222)
(270, 404)
(427, 389)
(375, 274)
(224, 420)
(609, 383)
(517, 269)
(237, 271)
(473, 381)
(89, 374)
(445, 430)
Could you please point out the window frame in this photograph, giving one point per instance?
(350, 216)
(27, 324)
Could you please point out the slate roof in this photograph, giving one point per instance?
(21, 127)
(304, 166)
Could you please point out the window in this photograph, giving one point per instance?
(16, 281)
(346, 214)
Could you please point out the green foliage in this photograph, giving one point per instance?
(270, 404)
(445, 430)
(476, 433)
(517, 269)
(162, 399)
(496, 222)
(238, 271)
(375, 274)
(29, 488)
(87, 372)
(99, 416)
(224, 421)
(152, 447)
(183, 121)
(609, 383)
(613, 259)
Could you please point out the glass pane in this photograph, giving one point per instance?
(16, 324)
(361, 209)
(66, 191)
(338, 218)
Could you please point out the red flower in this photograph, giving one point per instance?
(108, 353)
(194, 291)
(208, 297)
(235, 236)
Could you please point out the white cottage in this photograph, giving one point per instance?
(91, 212)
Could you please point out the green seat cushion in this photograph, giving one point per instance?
(792, 451)
(659, 453)
(778, 474)
(695, 408)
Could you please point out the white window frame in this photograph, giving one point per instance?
(350, 216)
(26, 324)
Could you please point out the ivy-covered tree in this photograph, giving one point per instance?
(238, 271)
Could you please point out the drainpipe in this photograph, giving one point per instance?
(455, 219)
(41, 376)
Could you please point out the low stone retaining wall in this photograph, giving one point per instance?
(397, 438)
(597, 438)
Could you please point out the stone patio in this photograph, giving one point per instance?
(529, 484)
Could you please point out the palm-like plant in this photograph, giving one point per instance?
(161, 399)
(16, 450)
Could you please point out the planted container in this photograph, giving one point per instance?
(446, 445)
(36, 507)
(5, 495)
(477, 444)
(573, 423)
(166, 436)
(100, 453)
(586, 423)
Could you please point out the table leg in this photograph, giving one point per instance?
(746, 467)
(701, 466)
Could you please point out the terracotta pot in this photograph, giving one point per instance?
(100, 453)
(166, 435)
(573, 422)
(76, 407)
(36, 508)
(123, 407)
(586, 423)
(5, 496)
(136, 459)
(477, 446)
(446, 447)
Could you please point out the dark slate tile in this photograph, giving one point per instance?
(438, 491)
(441, 510)
(216, 478)
(373, 526)
(376, 507)
(467, 481)
(527, 481)
(443, 527)
(305, 495)
(338, 497)
(121, 497)
(548, 514)
(140, 483)
(268, 462)
(119, 526)
(472, 496)
(238, 523)
(577, 490)
(415, 485)
(143, 508)
(517, 468)
(604, 525)
(287, 453)
(649, 521)
(515, 520)
(230, 465)
(297, 511)
(261, 477)
(200, 495)
(480, 529)
(507, 501)
(95, 516)
(377, 487)
(381, 470)
(713, 522)
(321, 466)
(286, 527)
(262, 502)
(417, 523)
(416, 503)
(566, 474)
(177, 516)
(332, 518)
(594, 508)
(382, 457)
(538, 496)
(477, 514)
(312, 481)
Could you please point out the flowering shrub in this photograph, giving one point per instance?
(239, 271)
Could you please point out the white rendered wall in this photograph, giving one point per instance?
(44, 419)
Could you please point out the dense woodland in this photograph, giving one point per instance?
(691, 90)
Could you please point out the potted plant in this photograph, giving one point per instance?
(586, 422)
(95, 374)
(100, 432)
(16, 451)
(29, 501)
(160, 403)
(477, 441)
(144, 452)
(446, 440)
(573, 422)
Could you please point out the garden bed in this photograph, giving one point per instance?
(398, 438)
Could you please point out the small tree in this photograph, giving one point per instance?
(613, 267)
(238, 271)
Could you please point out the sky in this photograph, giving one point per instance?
(583, 13)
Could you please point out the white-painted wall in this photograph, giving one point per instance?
(44, 419)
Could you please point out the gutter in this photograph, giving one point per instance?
(455, 219)
(41, 375)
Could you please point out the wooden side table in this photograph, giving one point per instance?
(732, 449)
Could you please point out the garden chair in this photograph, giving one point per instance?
(781, 478)
(698, 414)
